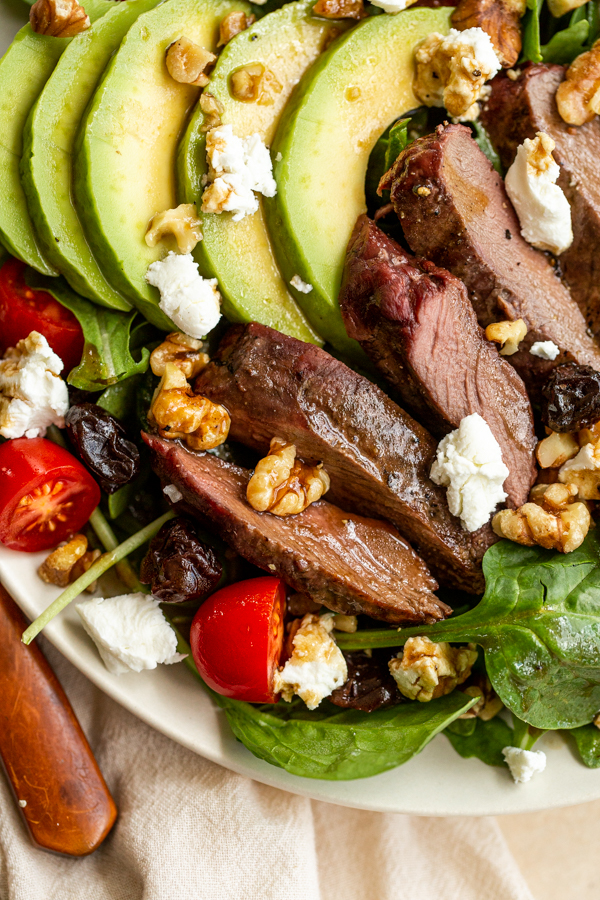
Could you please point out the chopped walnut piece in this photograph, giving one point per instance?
(187, 62)
(578, 96)
(583, 471)
(488, 703)
(233, 24)
(556, 449)
(255, 84)
(508, 334)
(182, 223)
(339, 9)
(550, 520)
(65, 564)
(183, 351)
(212, 109)
(282, 484)
(179, 413)
(500, 19)
(559, 8)
(58, 18)
(426, 670)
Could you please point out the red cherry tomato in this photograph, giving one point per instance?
(23, 310)
(46, 495)
(237, 638)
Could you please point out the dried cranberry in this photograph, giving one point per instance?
(179, 566)
(370, 685)
(102, 444)
(571, 398)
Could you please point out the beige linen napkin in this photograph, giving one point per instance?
(191, 830)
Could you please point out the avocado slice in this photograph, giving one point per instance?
(323, 142)
(49, 138)
(125, 156)
(239, 254)
(24, 70)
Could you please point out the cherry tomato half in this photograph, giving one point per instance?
(23, 310)
(237, 638)
(45, 494)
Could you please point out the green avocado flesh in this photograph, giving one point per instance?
(49, 139)
(24, 70)
(326, 134)
(239, 254)
(125, 158)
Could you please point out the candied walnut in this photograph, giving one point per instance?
(341, 9)
(583, 472)
(550, 519)
(255, 84)
(560, 8)
(500, 19)
(58, 18)
(65, 564)
(233, 24)
(179, 413)
(182, 223)
(282, 484)
(508, 334)
(212, 109)
(571, 398)
(555, 450)
(187, 62)
(183, 351)
(488, 703)
(578, 96)
(425, 670)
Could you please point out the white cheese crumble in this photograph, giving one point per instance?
(192, 302)
(469, 463)
(543, 210)
(237, 168)
(173, 493)
(317, 665)
(130, 632)
(302, 286)
(544, 349)
(524, 764)
(32, 394)
(393, 6)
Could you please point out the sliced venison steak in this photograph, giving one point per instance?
(416, 323)
(519, 109)
(346, 562)
(463, 220)
(377, 456)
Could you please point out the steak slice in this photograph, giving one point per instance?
(519, 109)
(377, 457)
(464, 221)
(416, 323)
(348, 563)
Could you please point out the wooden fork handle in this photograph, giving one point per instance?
(50, 766)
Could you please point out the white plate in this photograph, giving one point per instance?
(435, 783)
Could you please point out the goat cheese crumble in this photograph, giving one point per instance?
(392, 6)
(192, 302)
(237, 168)
(544, 349)
(173, 493)
(543, 210)
(469, 463)
(524, 764)
(302, 286)
(317, 665)
(130, 632)
(32, 393)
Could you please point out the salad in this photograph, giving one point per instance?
(300, 321)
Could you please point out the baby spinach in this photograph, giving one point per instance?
(484, 142)
(396, 142)
(483, 740)
(587, 740)
(106, 356)
(531, 32)
(564, 46)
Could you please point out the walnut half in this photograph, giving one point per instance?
(425, 670)
(58, 18)
(179, 413)
(186, 62)
(65, 564)
(578, 96)
(500, 19)
(551, 520)
(183, 351)
(282, 484)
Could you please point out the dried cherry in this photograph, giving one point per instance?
(178, 565)
(571, 398)
(102, 444)
(370, 685)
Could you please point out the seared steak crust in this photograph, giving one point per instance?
(377, 457)
(519, 109)
(416, 323)
(346, 562)
(464, 221)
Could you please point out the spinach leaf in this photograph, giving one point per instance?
(338, 745)
(587, 740)
(531, 32)
(539, 625)
(567, 44)
(106, 354)
(593, 17)
(120, 399)
(484, 740)
(482, 138)
(397, 141)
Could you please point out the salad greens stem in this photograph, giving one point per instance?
(109, 541)
(105, 562)
(370, 639)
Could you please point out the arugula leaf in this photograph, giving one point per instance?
(531, 32)
(587, 740)
(334, 745)
(566, 45)
(482, 138)
(484, 740)
(106, 355)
